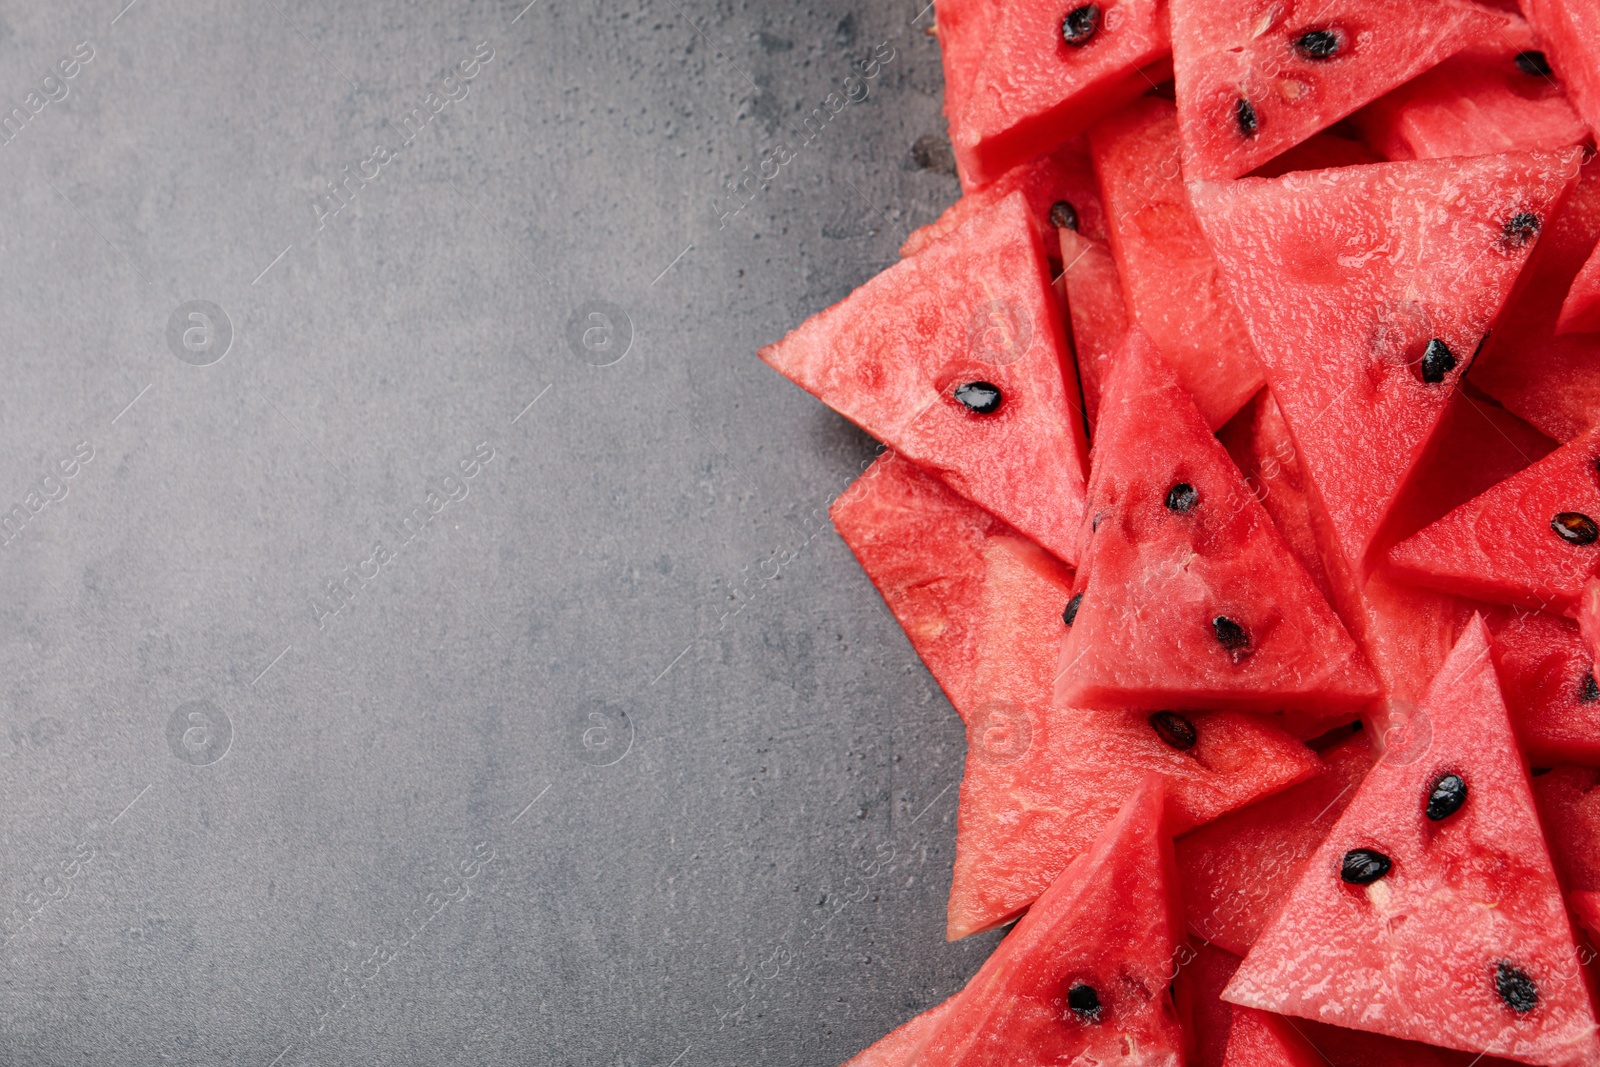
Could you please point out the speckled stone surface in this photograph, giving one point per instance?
(419, 643)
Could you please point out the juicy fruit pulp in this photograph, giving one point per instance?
(1099, 317)
(1345, 277)
(1173, 287)
(1035, 89)
(1254, 78)
(974, 306)
(1191, 598)
(1529, 540)
(1086, 972)
(1445, 946)
(1547, 675)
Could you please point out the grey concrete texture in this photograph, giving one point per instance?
(419, 644)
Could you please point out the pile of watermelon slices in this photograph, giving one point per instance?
(1242, 492)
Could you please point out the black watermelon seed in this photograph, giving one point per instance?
(1245, 115)
(1070, 615)
(1080, 25)
(1448, 794)
(1533, 63)
(1319, 44)
(1437, 361)
(1521, 228)
(1515, 987)
(1084, 1002)
(1575, 528)
(1063, 216)
(1588, 692)
(1230, 635)
(1174, 729)
(981, 397)
(1363, 866)
(1182, 497)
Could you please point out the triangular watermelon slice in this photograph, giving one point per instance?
(1261, 1039)
(924, 547)
(896, 1048)
(1547, 676)
(1174, 288)
(1094, 306)
(1568, 30)
(1084, 977)
(954, 357)
(1255, 78)
(963, 30)
(1366, 291)
(1205, 973)
(1274, 469)
(1062, 177)
(1190, 597)
(1498, 95)
(1552, 381)
(1532, 540)
(1051, 70)
(1432, 912)
(1236, 871)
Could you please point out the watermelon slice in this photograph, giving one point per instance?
(1094, 305)
(1274, 470)
(1532, 540)
(1569, 807)
(954, 358)
(1190, 597)
(1547, 676)
(1084, 976)
(1170, 279)
(1260, 1039)
(1580, 311)
(924, 548)
(1495, 96)
(1042, 782)
(1236, 870)
(1052, 69)
(897, 1047)
(1366, 291)
(1568, 29)
(1064, 176)
(1552, 381)
(1320, 152)
(963, 30)
(1432, 912)
(1255, 78)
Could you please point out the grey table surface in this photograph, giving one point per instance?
(325, 739)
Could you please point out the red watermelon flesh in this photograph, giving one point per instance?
(1586, 906)
(1568, 30)
(1169, 276)
(1531, 540)
(1552, 381)
(1199, 989)
(1084, 976)
(1476, 102)
(1464, 941)
(1035, 90)
(1587, 612)
(1580, 311)
(1261, 1039)
(1546, 674)
(1359, 1048)
(1190, 597)
(1256, 77)
(1094, 306)
(1569, 806)
(1041, 782)
(1236, 871)
(1347, 277)
(975, 309)
(924, 548)
(1062, 175)
(1280, 484)
(963, 30)
(896, 1048)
